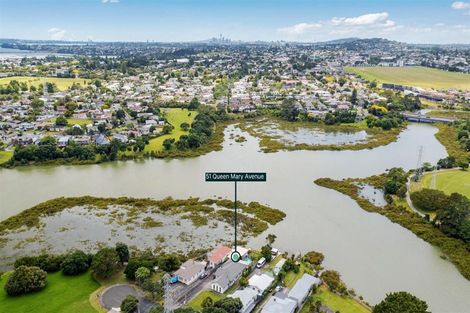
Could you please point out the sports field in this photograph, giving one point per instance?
(175, 117)
(414, 76)
(61, 83)
(62, 294)
(446, 181)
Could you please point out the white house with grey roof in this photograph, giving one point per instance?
(248, 297)
(279, 305)
(302, 289)
(190, 271)
(227, 275)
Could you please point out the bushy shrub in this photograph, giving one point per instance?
(25, 279)
(76, 263)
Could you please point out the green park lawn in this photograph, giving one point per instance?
(5, 156)
(73, 121)
(414, 76)
(175, 117)
(447, 181)
(62, 294)
(196, 302)
(336, 303)
(61, 83)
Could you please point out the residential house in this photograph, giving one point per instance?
(218, 256)
(227, 275)
(190, 271)
(260, 282)
(302, 288)
(279, 305)
(248, 297)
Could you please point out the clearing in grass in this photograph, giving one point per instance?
(5, 156)
(175, 117)
(61, 83)
(414, 76)
(336, 302)
(196, 302)
(61, 294)
(448, 181)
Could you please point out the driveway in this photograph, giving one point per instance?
(113, 296)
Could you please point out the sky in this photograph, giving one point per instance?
(422, 21)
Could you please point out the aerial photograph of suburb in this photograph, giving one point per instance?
(234, 156)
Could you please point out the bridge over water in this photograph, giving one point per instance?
(421, 118)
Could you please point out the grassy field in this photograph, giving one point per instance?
(175, 117)
(5, 156)
(336, 303)
(62, 294)
(414, 76)
(196, 302)
(447, 136)
(461, 115)
(62, 83)
(73, 121)
(446, 181)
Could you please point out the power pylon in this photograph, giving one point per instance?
(168, 294)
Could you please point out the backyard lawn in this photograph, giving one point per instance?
(175, 117)
(62, 294)
(61, 83)
(414, 76)
(196, 302)
(5, 156)
(336, 302)
(447, 181)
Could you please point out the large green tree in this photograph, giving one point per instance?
(106, 262)
(401, 302)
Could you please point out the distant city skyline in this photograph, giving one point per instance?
(423, 21)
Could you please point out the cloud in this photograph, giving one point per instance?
(373, 19)
(299, 29)
(109, 1)
(460, 5)
(56, 33)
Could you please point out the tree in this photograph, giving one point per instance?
(289, 110)
(133, 266)
(105, 263)
(25, 279)
(429, 200)
(75, 263)
(142, 274)
(130, 304)
(207, 302)
(61, 121)
(230, 305)
(354, 97)
(401, 302)
(332, 280)
(46, 262)
(314, 258)
(266, 252)
(450, 217)
(271, 238)
(185, 126)
(168, 143)
(194, 104)
(169, 262)
(167, 128)
(122, 251)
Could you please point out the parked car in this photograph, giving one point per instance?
(261, 262)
